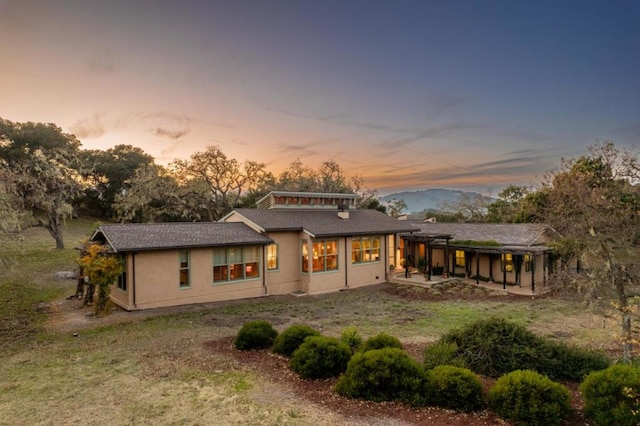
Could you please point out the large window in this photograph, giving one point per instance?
(236, 263)
(184, 268)
(324, 256)
(460, 258)
(365, 249)
(507, 262)
(272, 257)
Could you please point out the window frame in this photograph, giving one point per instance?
(121, 283)
(461, 258)
(527, 259)
(506, 263)
(273, 256)
(245, 259)
(364, 249)
(323, 259)
(184, 269)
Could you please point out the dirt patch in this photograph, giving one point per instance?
(276, 369)
(449, 290)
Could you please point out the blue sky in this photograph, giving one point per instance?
(408, 94)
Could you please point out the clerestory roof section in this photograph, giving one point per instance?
(506, 234)
(131, 237)
(325, 223)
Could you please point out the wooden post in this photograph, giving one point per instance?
(477, 267)
(533, 273)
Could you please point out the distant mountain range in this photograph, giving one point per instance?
(428, 199)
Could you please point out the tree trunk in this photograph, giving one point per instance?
(55, 229)
(88, 297)
(627, 338)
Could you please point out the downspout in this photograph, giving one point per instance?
(346, 260)
(264, 270)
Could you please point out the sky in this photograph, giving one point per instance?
(473, 95)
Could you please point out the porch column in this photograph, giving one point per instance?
(446, 258)
(477, 267)
(491, 267)
(533, 273)
(429, 263)
(504, 271)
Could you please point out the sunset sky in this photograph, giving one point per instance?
(408, 94)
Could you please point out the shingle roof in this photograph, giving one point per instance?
(326, 223)
(507, 234)
(160, 236)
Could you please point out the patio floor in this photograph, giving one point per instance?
(418, 279)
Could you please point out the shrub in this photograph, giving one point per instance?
(560, 361)
(379, 341)
(387, 374)
(529, 398)
(290, 339)
(496, 346)
(612, 396)
(442, 353)
(453, 387)
(351, 338)
(255, 335)
(320, 357)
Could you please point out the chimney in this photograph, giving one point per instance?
(343, 211)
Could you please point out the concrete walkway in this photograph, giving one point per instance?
(418, 279)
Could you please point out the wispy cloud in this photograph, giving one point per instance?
(89, 127)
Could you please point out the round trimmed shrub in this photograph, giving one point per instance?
(379, 341)
(258, 334)
(290, 339)
(320, 357)
(612, 396)
(387, 374)
(442, 353)
(529, 398)
(452, 387)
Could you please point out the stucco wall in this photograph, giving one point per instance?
(157, 281)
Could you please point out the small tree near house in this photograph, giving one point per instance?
(102, 269)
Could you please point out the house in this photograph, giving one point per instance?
(507, 253)
(295, 242)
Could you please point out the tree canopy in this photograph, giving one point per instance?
(40, 164)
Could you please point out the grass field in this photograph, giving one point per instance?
(157, 370)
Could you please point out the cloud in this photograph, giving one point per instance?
(171, 134)
(88, 128)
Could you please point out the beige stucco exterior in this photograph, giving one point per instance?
(153, 277)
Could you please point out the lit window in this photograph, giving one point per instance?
(272, 256)
(507, 262)
(324, 256)
(365, 249)
(460, 258)
(236, 263)
(184, 268)
(528, 263)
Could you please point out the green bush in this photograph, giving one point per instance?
(290, 339)
(559, 361)
(255, 335)
(379, 341)
(351, 338)
(612, 396)
(442, 353)
(387, 374)
(529, 398)
(320, 357)
(495, 346)
(452, 387)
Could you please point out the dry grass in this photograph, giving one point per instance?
(154, 368)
